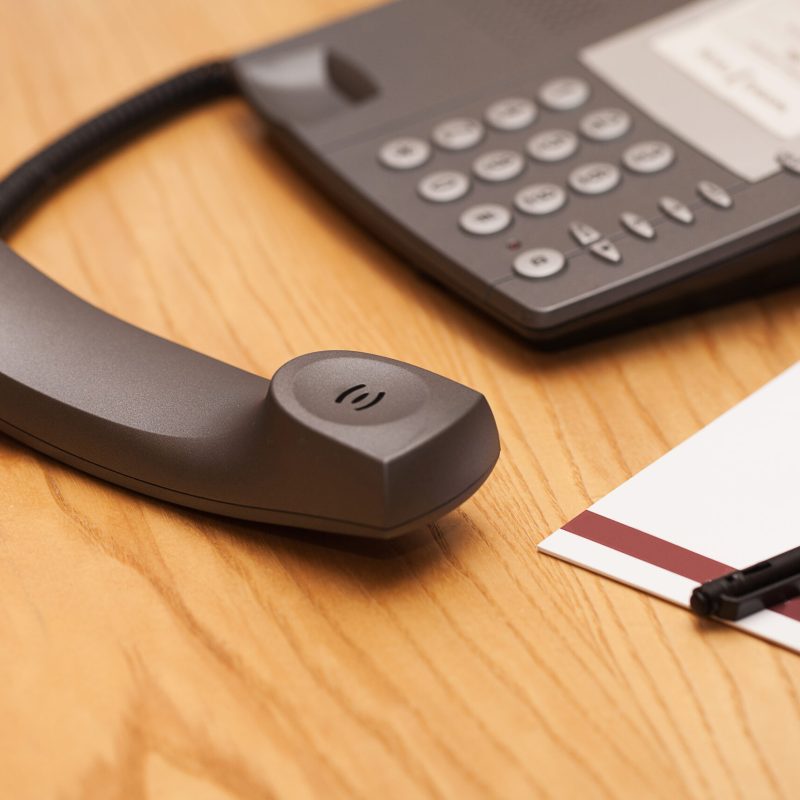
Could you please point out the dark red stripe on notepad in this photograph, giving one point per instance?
(658, 552)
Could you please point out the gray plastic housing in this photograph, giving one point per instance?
(337, 441)
(426, 62)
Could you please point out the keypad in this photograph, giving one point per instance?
(499, 165)
(486, 219)
(511, 114)
(444, 187)
(459, 134)
(454, 176)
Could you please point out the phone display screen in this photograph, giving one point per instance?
(748, 54)
(724, 75)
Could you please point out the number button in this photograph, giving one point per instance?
(595, 178)
(486, 219)
(458, 134)
(511, 114)
(540, 198)
(552, 145)
(541, 262)
(606, 124)
(499, 166)
(563, 94)
(648, 157)
(443, 187)
(405, 153)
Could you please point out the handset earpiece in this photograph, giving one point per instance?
(337, 441)
(375, 444)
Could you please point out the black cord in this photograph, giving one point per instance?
(23, 188)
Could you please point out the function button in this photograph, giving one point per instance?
(458, 134)
(563, 94)
(648, 157)
(606, 250)
(713, 193)
(595, 178)
(638, 225)
(606, 124)
(541, 262)
(790, 160)
(406, 153)
(552, 145)
(540, 198)
(511, 114)
(485, 219)
(584, 234)
(499, 165)
(677, 210)
(443, 187)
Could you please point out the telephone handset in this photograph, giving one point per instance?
(337, 441)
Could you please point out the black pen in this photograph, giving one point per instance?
(743, 592)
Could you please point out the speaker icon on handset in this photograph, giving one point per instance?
(363, 400)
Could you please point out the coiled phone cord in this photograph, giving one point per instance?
(23, 188)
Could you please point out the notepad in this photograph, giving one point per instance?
(726, 498)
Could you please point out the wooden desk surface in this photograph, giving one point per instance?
(151, 652)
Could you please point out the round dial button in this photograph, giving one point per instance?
(443, 187)
(540, 198)
(541, 262)
(647, 157)
(595, 178)
(458, 134)
(511, 114)
(606, 124)
(499, 165)
(405, 153)
(485, 219)
(552, 145)
(563, 94)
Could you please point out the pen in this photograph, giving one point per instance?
(743, 592)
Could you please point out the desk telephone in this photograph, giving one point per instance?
(568, 167)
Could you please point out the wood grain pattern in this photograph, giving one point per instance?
(151, 652)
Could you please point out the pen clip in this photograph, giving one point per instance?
(735, 607)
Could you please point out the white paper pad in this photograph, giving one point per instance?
(725, 499)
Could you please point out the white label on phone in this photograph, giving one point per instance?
(748, 54)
